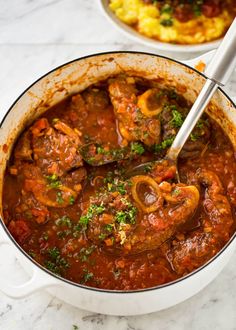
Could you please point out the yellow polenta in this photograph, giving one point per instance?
(146, 19)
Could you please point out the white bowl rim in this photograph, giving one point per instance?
(163, 46)
(4, 227)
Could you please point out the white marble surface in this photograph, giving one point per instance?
(36, 36)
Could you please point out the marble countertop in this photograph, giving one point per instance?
(36, 36)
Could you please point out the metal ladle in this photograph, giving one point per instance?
(218, 73)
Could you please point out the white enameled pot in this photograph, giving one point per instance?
(55, 86)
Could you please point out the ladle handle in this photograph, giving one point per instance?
(218, 73)
(224, 61)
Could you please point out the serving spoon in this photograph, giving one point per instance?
(218, 73)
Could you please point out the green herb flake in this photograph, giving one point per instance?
(164, 144)
(93, 210)
(109, 228)
(194, 137)
(175, 192)
(127, 216)
(56, 263)
(53, 181)
(137, 148)
(116, 273)
(197, 9)
(32, 254)
(177, 119)
(60, 199)
(45, 236)
(166, 22)
(87, 276)
(71, 200)
(102, 236)
(166, 9)
(75, 327)
(86, 252)
(64, 221)
(53, 253)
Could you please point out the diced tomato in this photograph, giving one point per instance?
(183, 13)
(211, 8)
(40, 215)
(40, 125)
(19, 230)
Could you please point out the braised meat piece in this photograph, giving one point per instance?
(136, 115)
(199, 247)
(172, 118)
(139, 214)
(55, 149)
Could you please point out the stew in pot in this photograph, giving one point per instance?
(86, 221)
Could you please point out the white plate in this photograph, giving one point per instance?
(167, 48)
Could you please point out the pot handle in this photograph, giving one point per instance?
(38, 279)
(205, 58)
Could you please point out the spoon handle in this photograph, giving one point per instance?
(218, 73)
(192, 119)
(224, 60)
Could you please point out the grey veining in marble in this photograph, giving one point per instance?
(36, 36)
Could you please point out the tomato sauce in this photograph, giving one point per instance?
(91, 223)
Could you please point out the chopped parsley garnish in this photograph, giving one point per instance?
(127, 216)
(60, 199)
(32, 254)
(109, 177)
(64, 233)
(93, 210)
(53, 253)
(166, 9)
(175, 192)
(164, 144)
(71, 200)
(53, 181)
(137, 148)
(56, 263)
(86, 252)
(45, 236)
(64, 221)
(101, 150)
(172, 94)
(109, 228)
(116, 273)
(194, 137)
(166, 22)
(75, 327)
(102, 236)
(177, 119)
(147, 168)
(87, 276)
(120, 187)
(197, 8)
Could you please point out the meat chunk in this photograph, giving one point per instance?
(133, 124)
(55, 149)
(197, 249)
(172, 118)
(52, 191)
(139, 214)
(23, 150)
